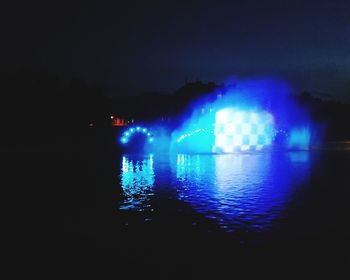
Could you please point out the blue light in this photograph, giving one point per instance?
(242, 191)
(137, 180)
(182, 137)
(128, 135)
(250, 116)
(299, 138)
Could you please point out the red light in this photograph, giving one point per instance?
(118, 122)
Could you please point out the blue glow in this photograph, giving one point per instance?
(182, 137)
(299, 157)
(244, 115)
(299, 138)
(137, 180)
(247, 115)
(242, 193)
(128, 136)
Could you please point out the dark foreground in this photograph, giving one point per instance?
(65, 219)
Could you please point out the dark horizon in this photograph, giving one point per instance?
(61, 79)
(155, 46)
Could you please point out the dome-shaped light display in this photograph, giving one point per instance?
(130, 132)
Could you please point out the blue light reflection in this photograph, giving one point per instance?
(137, 180)
(246, 191)
(243, 192)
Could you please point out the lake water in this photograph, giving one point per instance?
(192, 214)
(253, 197)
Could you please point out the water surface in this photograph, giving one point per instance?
(241, 193)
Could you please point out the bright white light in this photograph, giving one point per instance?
(238, 117)
(237, 140)
(223, 115)
(246, 128)
(240, 130)
(254, 117)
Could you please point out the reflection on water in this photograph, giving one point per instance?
(244, 190)
(137, 180)
(239, 191)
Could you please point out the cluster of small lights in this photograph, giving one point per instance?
(138, 129)
(182, 137)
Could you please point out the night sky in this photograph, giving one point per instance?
(136, 46)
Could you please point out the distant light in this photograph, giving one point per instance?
(126, 133)
(112, 117)
(124, 140)
(144, 129)
(151, 139)
(138, 128)
(148, 134)
(131, 130)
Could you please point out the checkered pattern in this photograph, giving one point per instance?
(242, 130)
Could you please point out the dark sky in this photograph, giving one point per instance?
(134, 46)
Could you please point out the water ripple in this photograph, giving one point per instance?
(241, 192)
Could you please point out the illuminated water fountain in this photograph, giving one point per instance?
(256, 115)
(252, 116)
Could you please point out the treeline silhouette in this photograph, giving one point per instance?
(41, 109)
(44, 109)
